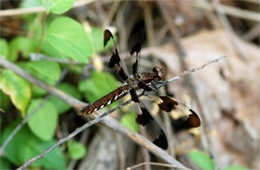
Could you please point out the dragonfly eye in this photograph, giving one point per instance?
(159, 72)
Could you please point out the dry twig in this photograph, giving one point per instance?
(227, 26)
(152, 163)
(24, 11)
(106, 120)
(232, 11)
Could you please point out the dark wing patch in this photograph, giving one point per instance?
(135, 49)
(122, 74)
(107, 36)
(152, 128)
(167, 104)
(144, 118)
(134, 96)
(115, 59)
(193, 120)
(185, 122)
(161, 141)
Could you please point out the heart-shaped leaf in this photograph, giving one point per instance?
(43, 122)
(17, 88)
(76, 150)
(202, 160)
(65, 37)
(25, 145)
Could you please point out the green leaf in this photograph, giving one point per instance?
(4, 164)
(67, 38)
(202, 160)
(47, 71)
(61, 6)
(129, 121)
(25, 145)
(76, 150)
(235, 167)
(60, 105)
(20, 45)
(97, 86)
(17, 88)
(3, 48)
(43, 122)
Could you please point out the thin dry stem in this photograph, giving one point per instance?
(155, 164)
(228, 28)
(24, 11)
(106, 120)
(232, 11)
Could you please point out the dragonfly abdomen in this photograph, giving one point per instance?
(106, 100)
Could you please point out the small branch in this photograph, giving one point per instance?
(106, 120)
(228, 28)
(24, 11)
(116, 126)
(149, 23)
(240, 13)
(252, 33)
(155, 164)
(185, 73)
(39, 56)
(111, 13)
(173, 30)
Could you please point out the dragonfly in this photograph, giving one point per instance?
(145, 81)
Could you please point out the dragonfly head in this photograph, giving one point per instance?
(159, 72)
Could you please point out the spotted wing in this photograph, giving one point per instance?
(151, 127)
(192, 120)
(136, 50)
(139, 31)
(115, 60)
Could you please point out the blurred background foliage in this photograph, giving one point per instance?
(61, 43)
